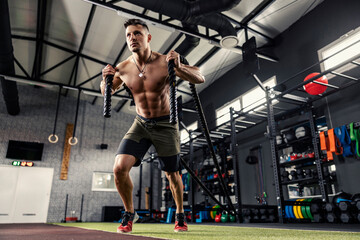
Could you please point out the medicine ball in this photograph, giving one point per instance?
(313, 88)
(301, 132)
(289, 135)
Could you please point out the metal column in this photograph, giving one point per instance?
(192, 183)
(322, 181)
(271, 131)
(234, 153)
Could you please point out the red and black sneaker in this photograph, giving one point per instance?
(127, 222)
(180, 223)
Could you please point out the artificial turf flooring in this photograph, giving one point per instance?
(218, 232)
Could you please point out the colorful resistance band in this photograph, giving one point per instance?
(330, 144)
(343, 135)
(355, 136)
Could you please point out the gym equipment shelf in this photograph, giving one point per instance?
(303, 102)
(293, 101)
(303, 140)
(297, 161)
(305, 181)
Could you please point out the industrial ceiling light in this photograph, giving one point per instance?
(229, 42)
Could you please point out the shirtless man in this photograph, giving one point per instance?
(145, 74)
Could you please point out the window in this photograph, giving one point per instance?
(249, 100)
(344, 48)
(256, 96)
(103, 181)
(184, 136)
(223, 113)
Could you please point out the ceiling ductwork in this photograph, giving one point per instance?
(9, 88)
(190, 42)
(198, 12)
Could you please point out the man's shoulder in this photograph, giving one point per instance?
(123, 63)
(159, 57)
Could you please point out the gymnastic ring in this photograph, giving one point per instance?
(55, 140)
(75, 141)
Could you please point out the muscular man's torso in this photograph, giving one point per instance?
(151, 92)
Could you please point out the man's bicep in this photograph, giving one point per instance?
(117, 82)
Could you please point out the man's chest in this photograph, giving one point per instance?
(153, 79)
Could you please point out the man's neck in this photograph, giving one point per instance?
(142, 57)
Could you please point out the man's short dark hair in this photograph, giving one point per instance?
(135, 22)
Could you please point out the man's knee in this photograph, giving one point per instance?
(173, 177)
(123, 164)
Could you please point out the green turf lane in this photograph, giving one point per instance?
(218, 232)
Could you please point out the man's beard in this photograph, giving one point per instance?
(135, 50)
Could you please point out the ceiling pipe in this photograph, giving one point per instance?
(199, 12)
(184, 10)
(190, 42)
(9, 88)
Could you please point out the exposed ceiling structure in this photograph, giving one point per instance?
(68, 42)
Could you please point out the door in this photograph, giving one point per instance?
(30, 202)
(8, 182)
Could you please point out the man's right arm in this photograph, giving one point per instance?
(117, 82)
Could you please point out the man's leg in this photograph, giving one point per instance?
(176, 187)
(124, 185)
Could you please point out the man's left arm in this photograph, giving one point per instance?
(189, 73)
(183, 71)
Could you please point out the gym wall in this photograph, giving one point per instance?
(297, 49)
(35, 123)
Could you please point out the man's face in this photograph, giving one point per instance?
(137, 38)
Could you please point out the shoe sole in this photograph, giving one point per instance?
(180, 230)
(136, 217)
(119, 231)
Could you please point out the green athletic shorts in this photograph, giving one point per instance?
(145, 132)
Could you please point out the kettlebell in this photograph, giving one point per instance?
(232, 217)
(224, 216)
(218, 218)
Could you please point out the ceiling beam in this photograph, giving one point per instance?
(101, 62)
(57, 65)
(120, 105)
(21, 67)
(170, 27)
(82, 43)
(40, 29)
(33, 81)
(254, 13)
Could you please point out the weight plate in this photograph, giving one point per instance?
(308, 211)
(303, 210)
(291, 209)
(297, 209)
(287, 214)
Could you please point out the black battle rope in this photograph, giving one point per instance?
(172, 94)
(56, 116)
(204, 125)
(57, 109)
(205, 129)
(107, 95)
(76, 117)
(193, 175)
